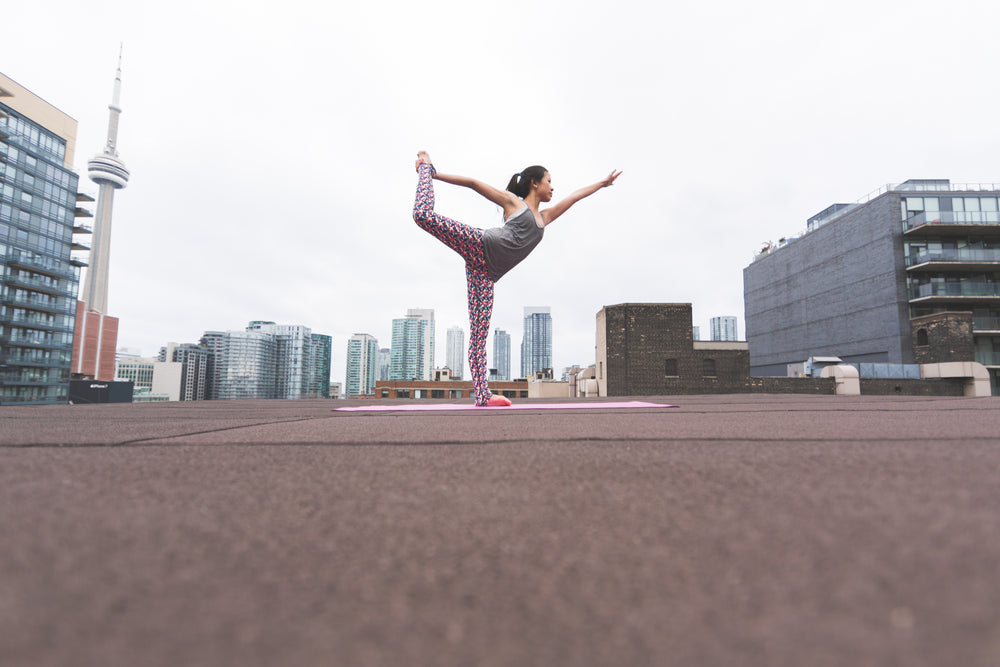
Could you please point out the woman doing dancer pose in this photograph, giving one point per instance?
(491, 253)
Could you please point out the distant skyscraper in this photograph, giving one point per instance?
(267, 360)
(696, 333)
(425, 315)
(195, 368)
(456, 351)
(412, 349)
(536, 345)
(39, 278)
(320, 362)
(97, 333)
(384, 363)
(501, 354)
(244, 364)
(362, 364)
(302, 360)
(723, 328)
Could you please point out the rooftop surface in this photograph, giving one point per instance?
(731, 530)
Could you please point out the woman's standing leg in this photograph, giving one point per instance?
(480, 310)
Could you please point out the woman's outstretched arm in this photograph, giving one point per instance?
(550, 214)
(507, 200)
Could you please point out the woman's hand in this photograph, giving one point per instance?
(610, 180)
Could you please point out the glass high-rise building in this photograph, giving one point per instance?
(320, 359)
(292, 349)
(723, 328)
(244, 364)
(267, 360)
(536, 345)
(362, 364)
(39, 277)
(384, 363)
(456, 352)
(425, 315)
(501, 354)
(412, 348)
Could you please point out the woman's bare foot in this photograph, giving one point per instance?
(422, 157)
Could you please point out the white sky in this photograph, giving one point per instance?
(272, 144)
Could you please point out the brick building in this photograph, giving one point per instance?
(649, 349)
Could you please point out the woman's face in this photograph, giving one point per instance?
(544, 188)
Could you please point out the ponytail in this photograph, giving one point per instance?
(520, 184)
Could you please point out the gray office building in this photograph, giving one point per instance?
(909, 275)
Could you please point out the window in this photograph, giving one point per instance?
(671, 367)
(922, 337)
(708, 368)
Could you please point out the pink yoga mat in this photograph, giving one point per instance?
(418, 406)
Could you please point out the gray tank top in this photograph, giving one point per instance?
(507, 246)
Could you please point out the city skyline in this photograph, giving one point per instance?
(705, 182)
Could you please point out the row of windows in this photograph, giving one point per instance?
(23, 131)
(31, 355)
(52, 173)
(913, 205)
(37, 242)
(20, 394)
(37, 185)
(32, 298)
(42, 280)
(33, 203)
(35, 223)
(28, 336)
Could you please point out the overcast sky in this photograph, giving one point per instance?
(271, 145)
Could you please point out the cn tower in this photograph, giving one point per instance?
(109, 172)
(95, 336)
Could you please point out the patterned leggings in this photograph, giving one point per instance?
(468, 242)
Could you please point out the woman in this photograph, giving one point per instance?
(491, 253)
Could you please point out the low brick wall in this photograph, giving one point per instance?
(926, 387)
(786, 385)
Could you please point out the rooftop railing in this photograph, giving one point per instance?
(954, 255)
(952, 218)
(966, 288)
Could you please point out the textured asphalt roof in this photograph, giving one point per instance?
(731, 530)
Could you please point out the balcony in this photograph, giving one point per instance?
(39, 285)
(43, 303)
(949, 222)
(963, 259)
(37, 339)
(955, 291)
(41, 264)
(985, 324)
(988, 357)
(39, 323)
